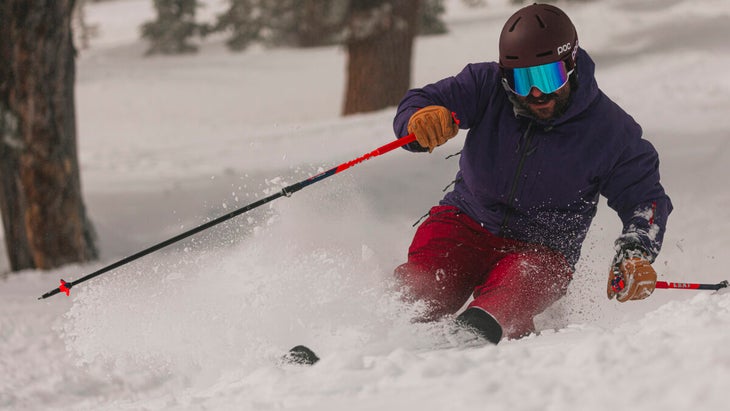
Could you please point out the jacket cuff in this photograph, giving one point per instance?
(631, 245)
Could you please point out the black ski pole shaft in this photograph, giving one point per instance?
(285, 192)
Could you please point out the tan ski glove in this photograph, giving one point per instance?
(631, 276)
(433, 126)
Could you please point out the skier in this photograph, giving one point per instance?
(543, 143)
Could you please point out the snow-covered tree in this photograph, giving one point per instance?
(431, 22)
(83, 31)
(303, 23)
(298, 23)
(174, 27)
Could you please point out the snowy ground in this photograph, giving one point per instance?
(168, 142)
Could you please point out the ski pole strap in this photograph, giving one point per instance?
(691, 286)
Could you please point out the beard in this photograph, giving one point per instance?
(561, 102)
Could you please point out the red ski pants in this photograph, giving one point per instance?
(452, 256)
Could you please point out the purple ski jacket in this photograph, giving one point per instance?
(539, 181)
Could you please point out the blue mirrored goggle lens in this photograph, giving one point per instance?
(547, 78)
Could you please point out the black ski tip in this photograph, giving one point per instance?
(300, 355)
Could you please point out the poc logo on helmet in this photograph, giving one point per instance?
(565, 47)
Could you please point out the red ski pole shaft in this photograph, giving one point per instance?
(691, 286)
(65, 287)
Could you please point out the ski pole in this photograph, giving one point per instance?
(285, 192)
(691, 286)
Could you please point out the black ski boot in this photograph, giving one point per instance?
(300, 355)
(480, 323)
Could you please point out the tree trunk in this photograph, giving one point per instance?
(379, 47)
(43, 213)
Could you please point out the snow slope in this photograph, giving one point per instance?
(169, 142)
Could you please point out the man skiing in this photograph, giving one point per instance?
(543, 143)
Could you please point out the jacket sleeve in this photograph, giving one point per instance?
(635, 192)
(464, 94)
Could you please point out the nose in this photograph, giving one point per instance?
(535, 92)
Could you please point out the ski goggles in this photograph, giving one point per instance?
(546, 78)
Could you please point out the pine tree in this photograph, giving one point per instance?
(174, 28)
(320, 22)
(431, 12)
(297, 23)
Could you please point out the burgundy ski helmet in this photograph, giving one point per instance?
(535, 35)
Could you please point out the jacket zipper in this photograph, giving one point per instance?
(526, 151)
